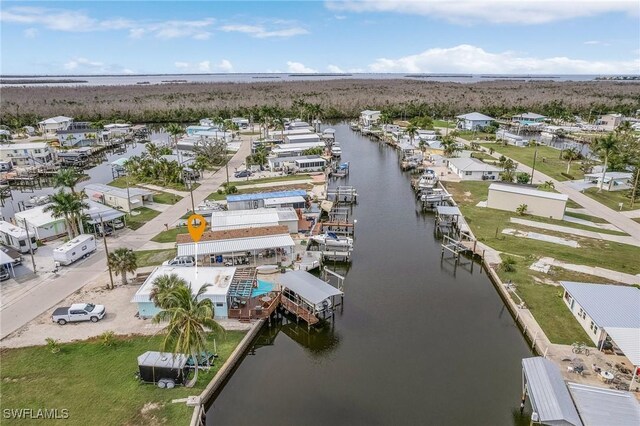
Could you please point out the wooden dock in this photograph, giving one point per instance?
(299, 311)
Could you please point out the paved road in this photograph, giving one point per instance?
(593, 207)
(48, 290)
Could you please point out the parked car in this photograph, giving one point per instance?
(181, 261)
(4, 273)
(12, 253)
(108, 230)
(79, 312)
(118, 224)
(243, 173)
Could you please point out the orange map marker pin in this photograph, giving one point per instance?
(196, 230)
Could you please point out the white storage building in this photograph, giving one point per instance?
(539, 203)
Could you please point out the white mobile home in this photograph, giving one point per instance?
(473, 121)
(119, 198)
(81, 246)
(473, 169)
(236, 219)
(302, 138)
(293, 149)
(613, 181)
(41, 223)
(511, 139)
(298, 163)
(539, 203)
(218, 278)
(242, 123)
(15, 237)
(295, 199)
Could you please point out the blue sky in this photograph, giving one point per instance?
(464, 36)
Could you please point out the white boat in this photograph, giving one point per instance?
(39, 201)
(435, 196)
(548, 135)
(206, 207)
(428, 179)
(332, 240)
(336, 151)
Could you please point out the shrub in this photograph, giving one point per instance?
(508, 264)
(523, 178)
(568, 176)
(108, 338)
(522, 209)
(53, 345)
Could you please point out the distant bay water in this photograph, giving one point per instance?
(122, 80)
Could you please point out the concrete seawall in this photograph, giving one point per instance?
(223, 374)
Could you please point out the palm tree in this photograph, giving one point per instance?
(123, 260)
(188, 315)
(162, 288)
(213, 153)
(412, 131)
(604, 147)
(69, 206)
(175, 130)
(68, 177)
(570, 155)
(449, 145)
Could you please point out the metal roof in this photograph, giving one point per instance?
(628, 340)
(531, 115)
(448, 210)
(237, 245)
(522, 190)
(117, 192)
(218, 279)
(604, 407)
(263, 195)
(13, 230)
(283, 200)
(162, 360)
(615, 306)
(548, 393)
(307, 286)
(473, 165)
(475, 116)
(5, 258)
(97, 210)
(37, 217)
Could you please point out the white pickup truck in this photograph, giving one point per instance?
(79, 312)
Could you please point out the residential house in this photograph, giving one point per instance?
(295, 199)
(27, 154)
(192, 130)
(609, 122)
(511, 139)
(473, 121)
(41, 224)
(302, 138)
(528, 118)
(607, 311)
(218, 280)
(52, 125)
(79, 134)
(305, 163)
(369, 118)
(613, 181)
(116, 130)
(474, 169)
(254, 218)
(294, 149)
(539, 203)
(122, 199)
(242, 123)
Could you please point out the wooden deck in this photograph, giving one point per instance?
(256, 308)
(299, 311)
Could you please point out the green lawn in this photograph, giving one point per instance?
(612, 199)
(121, 182)
(144, 216)
(90, 379)
(286, 178)
(547, 160)
(154, 257)
(594, 219)
(545, 303)
(483, 156)
(472, 136)
(166, 198)
(442, 123)
(170, 235)
(487, 225)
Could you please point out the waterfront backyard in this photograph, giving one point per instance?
(90, 378)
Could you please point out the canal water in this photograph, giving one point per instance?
(419, 341)
(101, 173)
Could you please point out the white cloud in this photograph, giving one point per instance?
(298, 67)
(30, 32)
(335, 68)
(205, 66)
(471, 59)
(79, 21)
(259, 31)
(84, 65)
(596, 43)
(340, 17)
(525, 12)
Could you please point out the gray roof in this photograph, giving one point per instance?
(603, 407)
(519, 189)
(117, 192)
(548, 393)
(475, 116)
(448, 211)
(531, 115)
(310, 288)
(473, 165)
(608, 305)
(162, 360)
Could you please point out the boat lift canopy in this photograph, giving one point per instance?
(307, 286)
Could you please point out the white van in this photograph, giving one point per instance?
(181, 261)
(79, 247)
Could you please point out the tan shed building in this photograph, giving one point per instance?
(539, 203)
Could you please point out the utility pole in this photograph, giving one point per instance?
(533, 169)
(106, 250)
(33, 260)
(635, 187)
(193, 207)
